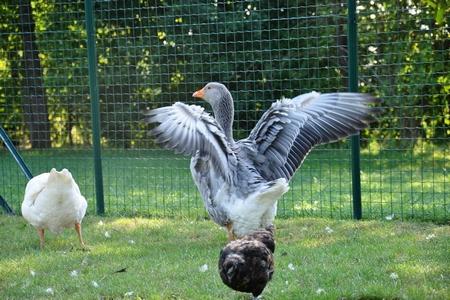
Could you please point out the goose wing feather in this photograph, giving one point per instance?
(187, 129)
(288, 130)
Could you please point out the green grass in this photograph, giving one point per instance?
(355, 261)
(411, 184)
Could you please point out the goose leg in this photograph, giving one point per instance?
(80, 237)
(231, 236)
(40, 232)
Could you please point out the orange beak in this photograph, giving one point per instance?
(199, 94)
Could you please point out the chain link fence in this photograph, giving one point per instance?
(153, 53)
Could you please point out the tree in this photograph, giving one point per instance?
(34, 100)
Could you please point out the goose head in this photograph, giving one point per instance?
(219, 97)
(214, 93)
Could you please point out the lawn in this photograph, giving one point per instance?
(162, 258)
(412, 184)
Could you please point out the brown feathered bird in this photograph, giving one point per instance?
(247, 264)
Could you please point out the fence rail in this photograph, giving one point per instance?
(75, 75)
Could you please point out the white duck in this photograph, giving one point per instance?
(53, 201)
(241, 181)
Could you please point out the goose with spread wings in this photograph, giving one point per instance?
(241, 181)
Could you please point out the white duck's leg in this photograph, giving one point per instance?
(80, 237)
(40, 232)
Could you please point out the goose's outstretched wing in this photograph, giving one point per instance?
(287, 131)
(187, 129)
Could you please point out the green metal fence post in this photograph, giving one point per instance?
(95, 106)
(353, 87)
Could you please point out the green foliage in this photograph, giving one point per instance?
(440, 8)
(153, 54)
(10, 53)
(404, 59)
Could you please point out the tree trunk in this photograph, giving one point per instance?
(34, 100)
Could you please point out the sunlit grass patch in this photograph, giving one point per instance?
(153, 258)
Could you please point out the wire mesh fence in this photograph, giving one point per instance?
(151, 54)
(404, 58)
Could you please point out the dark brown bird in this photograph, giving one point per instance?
(246, 264)
(265, 236)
